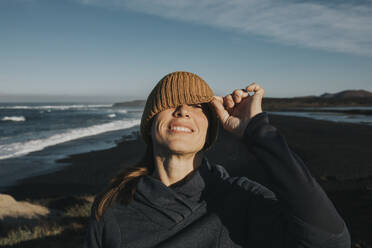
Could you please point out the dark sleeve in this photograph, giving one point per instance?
(312, 213)
(93, 235)
(103, 233)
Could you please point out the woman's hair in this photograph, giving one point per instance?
(122, 187)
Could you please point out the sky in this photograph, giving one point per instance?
(111, 50)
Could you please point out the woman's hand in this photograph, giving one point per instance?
(236, 109)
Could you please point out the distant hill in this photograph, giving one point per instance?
(134, 103)
(347, 94)
(342, 98)
(346, 98)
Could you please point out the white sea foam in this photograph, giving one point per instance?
(58, 107)
(21, 148)
(13, 118)
(112, 115)
(122, 111)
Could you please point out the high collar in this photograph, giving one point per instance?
(180, 199)
(189, 187)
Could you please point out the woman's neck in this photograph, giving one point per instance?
(172, 168)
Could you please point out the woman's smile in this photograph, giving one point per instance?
(178, 127)
(182, 129)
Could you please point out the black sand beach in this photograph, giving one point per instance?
(337, 154)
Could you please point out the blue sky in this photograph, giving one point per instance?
(119, 49)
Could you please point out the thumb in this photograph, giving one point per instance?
(217, 104)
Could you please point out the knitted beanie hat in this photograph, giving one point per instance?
(172, 90)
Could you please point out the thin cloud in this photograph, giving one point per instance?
(345, 27)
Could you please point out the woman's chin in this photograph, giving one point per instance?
(182, 148)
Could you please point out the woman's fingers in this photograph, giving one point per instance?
(228, 102)
(231, 100)
(236, 97)
(236, 109)
(224, 106)
(239, 95)
(219, 108)
(256, 88)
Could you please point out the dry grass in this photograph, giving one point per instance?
(67, 228)
(79, 210)
(20, 209)
(25, 233)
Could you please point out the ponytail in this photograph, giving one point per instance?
(123, 186)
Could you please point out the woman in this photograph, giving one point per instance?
(175, 198)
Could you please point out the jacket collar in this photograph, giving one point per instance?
(179, 199)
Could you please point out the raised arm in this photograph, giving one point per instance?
(306, 203)
(313, 217)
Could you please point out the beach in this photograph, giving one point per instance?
(79, 77)
(337, 154)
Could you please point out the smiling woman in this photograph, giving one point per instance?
(182, 129)
(175, 198)
(179, 133)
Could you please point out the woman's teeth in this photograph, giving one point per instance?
(183, 129)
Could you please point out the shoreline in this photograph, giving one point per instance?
(337, 154)
(48, 159)
(366, 112)
(309, 138)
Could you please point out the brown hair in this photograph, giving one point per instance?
(122, 187)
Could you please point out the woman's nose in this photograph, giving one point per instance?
(182, 111)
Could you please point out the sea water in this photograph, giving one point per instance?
(34, 135)
(338, 116)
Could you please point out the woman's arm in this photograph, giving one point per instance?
(93, 235)
(104, 232)
(313, 220)
(311, 211)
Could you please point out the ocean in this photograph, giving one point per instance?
(34, 135)
(337, 116)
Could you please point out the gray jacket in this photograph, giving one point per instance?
(212, 209)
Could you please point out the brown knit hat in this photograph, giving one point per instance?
(172, 90)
